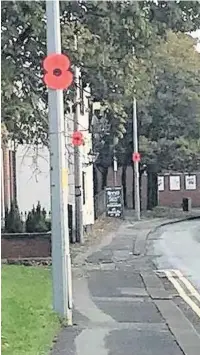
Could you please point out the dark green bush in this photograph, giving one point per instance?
(36, 220)
(13, 222)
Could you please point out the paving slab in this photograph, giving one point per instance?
(141, 343)
(133, 291)
(180, 327)
(108, 283)
(135, 311)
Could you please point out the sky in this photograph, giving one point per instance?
(196, 34)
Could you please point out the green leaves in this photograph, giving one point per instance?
(125, 49)
(22, 50)
(175, 103)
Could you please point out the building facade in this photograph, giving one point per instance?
(30, 180)
(8, 177)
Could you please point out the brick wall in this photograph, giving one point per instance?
(25, 245)
(174, 198)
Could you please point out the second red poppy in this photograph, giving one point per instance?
(136, 157)
(77, 138)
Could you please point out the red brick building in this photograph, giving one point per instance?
(8, 175)
(188, 185)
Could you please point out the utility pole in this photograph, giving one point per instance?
(77, 159)
(136, 164)
(61, 262)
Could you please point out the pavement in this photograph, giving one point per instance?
(124, 304)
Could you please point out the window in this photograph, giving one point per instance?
(161, 183)
(174, 183)
(83, 184)
(190, 182)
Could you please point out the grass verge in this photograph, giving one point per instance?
(28, 323)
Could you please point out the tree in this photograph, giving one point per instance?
(115, 42)
(22, 52)
(13, 222)
(171, 135)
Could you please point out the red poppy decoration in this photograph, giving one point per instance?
(77, 138)
(136, 157)
(57, 74)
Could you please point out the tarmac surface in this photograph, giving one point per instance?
(123, 305)
(178, 247)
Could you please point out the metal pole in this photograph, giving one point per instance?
(136, 164)
(61, 262)
(115, 169)
(77, 160)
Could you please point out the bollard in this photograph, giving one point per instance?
(187, 204)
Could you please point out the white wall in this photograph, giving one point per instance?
(33, 178)
(70, 151)
(2, 190)
(88, 208)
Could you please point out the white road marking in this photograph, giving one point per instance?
(182, 293)
(187, 283)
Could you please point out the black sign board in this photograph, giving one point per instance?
(114, 201)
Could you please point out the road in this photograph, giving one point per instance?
(178, 247)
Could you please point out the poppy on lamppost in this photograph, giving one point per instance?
(57, 74)
(77, 138)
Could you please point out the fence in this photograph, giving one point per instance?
(99, 204)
